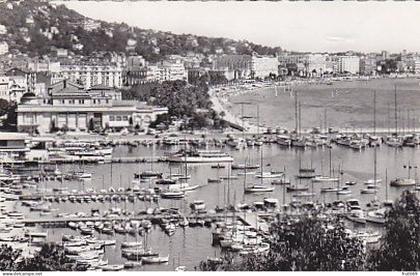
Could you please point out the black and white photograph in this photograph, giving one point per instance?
(209, 136)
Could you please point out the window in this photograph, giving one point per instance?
(94, 101)
(81, 101)
(107, 101)
(118, 118)
(125, 118)
(112, 118)
(63, 101)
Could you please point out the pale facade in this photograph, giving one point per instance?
(4, 88)
(74, 108)
(350, 64)
(171, 70)
(263, 66)
(93, 74)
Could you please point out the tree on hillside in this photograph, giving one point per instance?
(400, 249)
(310, 244)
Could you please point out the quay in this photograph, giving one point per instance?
(63, 221)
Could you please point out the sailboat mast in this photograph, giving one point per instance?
(330, 161)
(375, 149)
(300, 119)
(258, 120)
(261, 164)
(374, 113)
(296, 113)
(325, 121)
(395, 109)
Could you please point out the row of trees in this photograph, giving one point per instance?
(191, 103)
(51, 257)
(310, 245)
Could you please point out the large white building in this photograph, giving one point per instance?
(349, 64)
(4, 88)
(263, 66)
(70, 106)
(4, 48)
(90, 74)
(171, 70)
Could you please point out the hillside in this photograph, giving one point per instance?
(34, 27)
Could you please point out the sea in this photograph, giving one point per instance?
(347, 104)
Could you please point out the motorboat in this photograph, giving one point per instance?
(198, 205)
(325, 179)
(269, 174)
(175, 194)
(258, 189)
(295, 188)
(209, 156)
(403, 182)
(155, 259)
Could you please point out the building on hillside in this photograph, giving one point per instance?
(239, 65)
(91, 74)
(4, 48)
(264, 66)
(70, 106)
(44, 66)
(4, 88)
(135, 62)
(171, 70)
(23, 78)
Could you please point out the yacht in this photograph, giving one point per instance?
(258, 189)
(325, 179)
(210, 156)
(403, 182)
(269, 174)
(284, 140)
(245, 167)
(176, 194)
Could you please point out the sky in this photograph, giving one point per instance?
(299, 26)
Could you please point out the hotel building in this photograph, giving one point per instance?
(70, 106)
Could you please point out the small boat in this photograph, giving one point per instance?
(356, 216)
(115, 267)
(350, 183)
(131, 244)
(304, 194)
(245, 167)
(282, 181)
(172, 194)
(344, 191)
(403, 182)
(214, 180)
(198, 205)
(368, 191)
(296, 188)
(269, 174)
(258, 189)
(372, 181)
(325, 179)
(155, 260)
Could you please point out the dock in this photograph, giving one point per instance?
(63, 221)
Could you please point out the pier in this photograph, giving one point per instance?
(63, 221)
